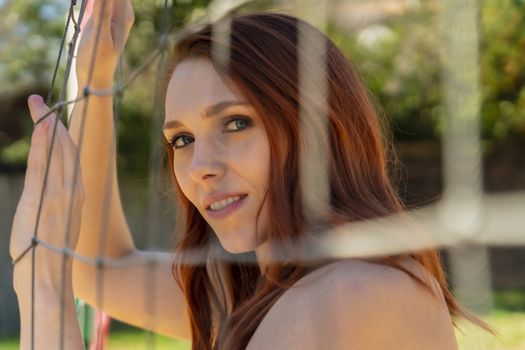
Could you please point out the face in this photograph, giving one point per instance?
(221, 154)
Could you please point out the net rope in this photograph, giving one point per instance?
(495, 213)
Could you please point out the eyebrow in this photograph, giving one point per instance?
(210, 112)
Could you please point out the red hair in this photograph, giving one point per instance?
(228, 299)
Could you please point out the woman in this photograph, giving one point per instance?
(233, 140)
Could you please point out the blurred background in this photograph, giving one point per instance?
(395, 46)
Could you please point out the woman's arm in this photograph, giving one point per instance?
(92, 128)
(141, 293)
(55, 322)
(133, 294)
(44, 290)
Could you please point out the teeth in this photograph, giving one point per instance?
(223, 203)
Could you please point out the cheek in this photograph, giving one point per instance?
(254, 159)
(264, 161)
(182, 178)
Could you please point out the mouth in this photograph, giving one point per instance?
(224, 207)
(221, 204)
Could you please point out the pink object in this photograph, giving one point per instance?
(99, 340)
(36, 100)
(87, 13)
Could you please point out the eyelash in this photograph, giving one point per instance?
(173, 140)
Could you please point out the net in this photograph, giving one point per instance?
(466, 221)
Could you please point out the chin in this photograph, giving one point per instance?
(237, 247)
(237, 244)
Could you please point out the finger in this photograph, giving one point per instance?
(35, 103)
(102, 11)
(55, 178)
(64, 153)
(63, 156)
(46, 134)
(122, 20)
(36, 160)
(71, 162)
(67, 169)
(40, 112)
(88, 11)
(60, 186)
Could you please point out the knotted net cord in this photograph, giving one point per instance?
(59, 111)
(58, 108)
(371, 239)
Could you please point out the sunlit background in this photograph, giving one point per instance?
(397, 47)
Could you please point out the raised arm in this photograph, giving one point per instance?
(92, 127)
(43, 285)
(125, 295)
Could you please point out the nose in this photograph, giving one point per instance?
(206, 163)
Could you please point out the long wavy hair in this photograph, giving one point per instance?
(228, 298)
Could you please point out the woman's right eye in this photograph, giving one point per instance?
(181, 141)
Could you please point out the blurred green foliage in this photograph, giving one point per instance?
(398, 57)
(401, 65)
(30, 40)
(510, 299)
(503, 68)
(139, 112)
(399, 62)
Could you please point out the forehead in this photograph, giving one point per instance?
(195, 85)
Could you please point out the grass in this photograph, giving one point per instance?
(8, 344)
(138, 339)
(125, 339)
(510, 324)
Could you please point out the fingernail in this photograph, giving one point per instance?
(35, 101)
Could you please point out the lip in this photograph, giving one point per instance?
(221, 213)
(214, 197)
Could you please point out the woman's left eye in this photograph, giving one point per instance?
(237, 123)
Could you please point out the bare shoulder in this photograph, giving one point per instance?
(381, 306)
(356, 304)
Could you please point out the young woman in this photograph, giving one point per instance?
(233, 135)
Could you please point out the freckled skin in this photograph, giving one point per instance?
(215, 157)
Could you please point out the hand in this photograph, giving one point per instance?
(116, 22)
(63, 197)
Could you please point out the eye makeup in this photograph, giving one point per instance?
(233, 123)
